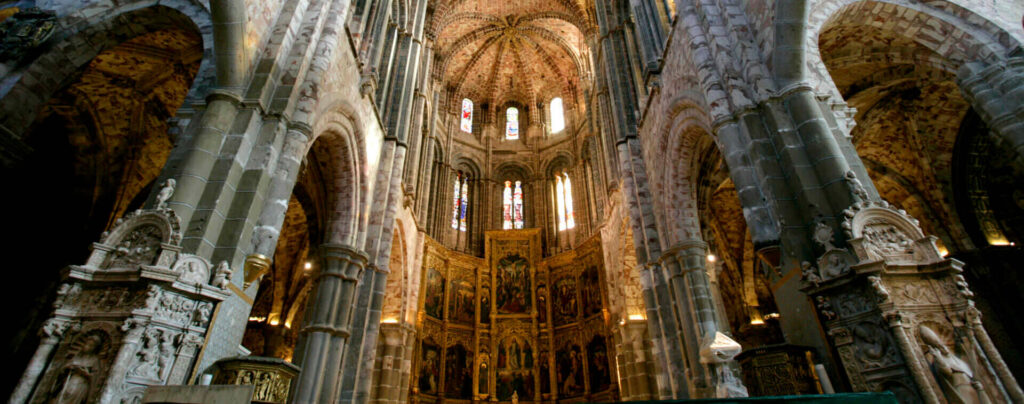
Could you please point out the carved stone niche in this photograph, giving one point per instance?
(271, 377)
(135, 315)
(902, 318)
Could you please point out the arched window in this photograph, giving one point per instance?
(563, 202)
(467, 116)
(460, 202)
(506, 205)
(557, 115)
(512, 123)
(517, 206)
(512, 206)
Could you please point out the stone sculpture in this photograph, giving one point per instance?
(80, 373)
(165, 194)
(953, 374)
(222, 275)
(810, 274)
(856, 187)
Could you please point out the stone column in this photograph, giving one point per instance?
(392, 356)
(195, 169)
(53, 332)
(327, 323)
(651, 35)
(691, 290)
(268, 228)
(996, 92)
(635, 371)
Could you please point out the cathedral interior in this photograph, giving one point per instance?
(458, 201)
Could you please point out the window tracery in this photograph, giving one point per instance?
(512, 123)
(563, 202)
(460, 202)
(467, 116)
(512, 206)
(557, 115)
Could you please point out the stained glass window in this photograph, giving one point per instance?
(570, 220)
(467, 116)
(560, 202)
(563, 202)
(455, 204)
(512, 123)
(517, 206)
(557, 115)
(506, 198)
(465, 205)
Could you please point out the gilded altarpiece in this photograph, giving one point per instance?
(514, 324)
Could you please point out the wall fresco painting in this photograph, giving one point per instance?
(433, 300)
(430, 368)
(461, 306)
(565, 309)
(458, 372)
(513, 280)
(590, 291)
(570, 371)
(597, 364)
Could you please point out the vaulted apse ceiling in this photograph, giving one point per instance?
(499, 51)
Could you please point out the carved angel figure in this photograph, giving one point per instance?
(165, 193)
(810, 274)
(221, 275)
(876, 283)
(856, 187)
(953, 374)
(825, 308)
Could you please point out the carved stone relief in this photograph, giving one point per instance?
(157, 322)
(898, 312)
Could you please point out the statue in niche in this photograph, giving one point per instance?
(80, 372)
(513, 293)
(542, 305)
(953, 374)
(485, 306)
(513, 355)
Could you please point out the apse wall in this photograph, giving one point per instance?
(513, 323)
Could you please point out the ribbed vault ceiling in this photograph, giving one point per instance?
(499, 51)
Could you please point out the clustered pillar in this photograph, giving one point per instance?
(327, 323)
